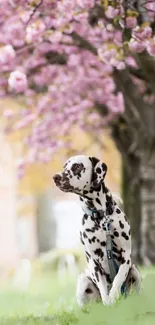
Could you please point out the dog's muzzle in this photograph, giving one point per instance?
(57, 179)
(62, 182)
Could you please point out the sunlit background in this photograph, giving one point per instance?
(76, 77)
(39, 224)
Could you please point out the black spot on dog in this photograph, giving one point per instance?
(114, 244)
(116, 234)
(124, 235)
(98, 189)
(93, 239)
(99, 252)
(94, 161)
(98, 201)
(81, 239)
(115, 250)
(88, 291)
(121, 225)
(85, 192)
(108, 198)
(103, 243)
(123, 260)
(89, 229)
(77, 169)
(98, 170)
(84, 235)
(97, 276)
(118, 211)
(128, 261)
(117, 257)
(87, 259)
(108, 278)
(104, 188)
(85, 217)
(109, 208)
(129, 232)
(104, 167)
(88, 254)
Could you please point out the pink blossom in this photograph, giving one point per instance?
(131, 62)
(142, 33)
(20, 168)
(34, 31)
(15, 33)
(107, 54)
(26, 121)
(25, 16)
(55, 37)
(116, 103)
(61, 95)
(120, 65)
(8, 113)
(17, 81)
(150, 46)
(85, 4)
(150, 6)
(7, 54)
(136, 46)
(111, 12)
(131, 22)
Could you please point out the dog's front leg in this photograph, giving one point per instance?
(102, 286)
(120, 277)
(101, 282)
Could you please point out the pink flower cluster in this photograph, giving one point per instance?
(7, 58)
(62, 63)
(17, 81)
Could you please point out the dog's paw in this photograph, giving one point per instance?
(113, 296)
(106, 301)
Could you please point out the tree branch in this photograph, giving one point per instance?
(83, 43)
(147, 64)
(34, 11)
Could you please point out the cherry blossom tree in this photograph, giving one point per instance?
(92, 64)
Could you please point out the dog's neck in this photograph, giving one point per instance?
(97, 199)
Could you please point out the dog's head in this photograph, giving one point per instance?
(81, 173)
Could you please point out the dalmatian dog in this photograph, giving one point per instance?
(84, 176)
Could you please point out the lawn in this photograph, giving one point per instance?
(51, 300)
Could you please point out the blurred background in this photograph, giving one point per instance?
(76, 77)
(39, 224)
(36, 217)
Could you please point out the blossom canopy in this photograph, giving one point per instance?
(60, 56)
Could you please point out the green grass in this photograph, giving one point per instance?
(50, 300)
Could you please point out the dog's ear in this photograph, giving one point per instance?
(99, 170)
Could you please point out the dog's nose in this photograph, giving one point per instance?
(57, 178)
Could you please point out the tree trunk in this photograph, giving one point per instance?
(46, 225)
(131, 199)
(147, 200)
(138, 187)
(134, 135)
